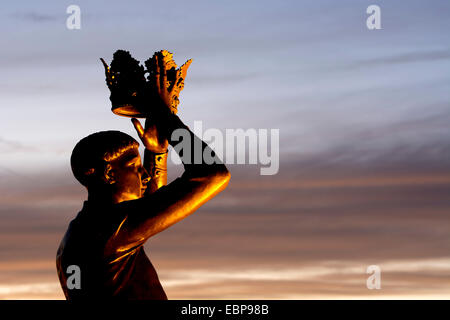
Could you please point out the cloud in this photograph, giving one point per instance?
(404, 58)
(40, 290)
(409, 57)
(363, 178)
(7, 145)
(35, 17)
(346, 278)
(300, 234)
(222, 79)
(324, 280)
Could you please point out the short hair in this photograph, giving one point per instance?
(96, 150)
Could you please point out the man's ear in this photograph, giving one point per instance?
(108, 174)
(89, 172)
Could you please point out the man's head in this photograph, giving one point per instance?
(108, 164)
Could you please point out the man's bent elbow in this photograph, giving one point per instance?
(221, 177)
(225, 174)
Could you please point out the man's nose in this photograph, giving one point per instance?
(145, 177)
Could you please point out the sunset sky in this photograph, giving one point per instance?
(364, 142)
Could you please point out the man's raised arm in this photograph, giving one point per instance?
(202, 180)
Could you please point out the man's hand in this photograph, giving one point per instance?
(167, 92)
(152, 138)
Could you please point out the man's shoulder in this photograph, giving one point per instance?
(89, 230)
(74, 233)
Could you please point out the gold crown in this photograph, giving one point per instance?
(130, 83)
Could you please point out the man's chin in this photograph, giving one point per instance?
(130, 196)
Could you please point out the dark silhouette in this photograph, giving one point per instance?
(129, 202)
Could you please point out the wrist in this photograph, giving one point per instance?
(174, 123)
(157, 152)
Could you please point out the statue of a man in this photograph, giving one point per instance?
(129, 202)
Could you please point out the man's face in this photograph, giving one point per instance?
(130, 177)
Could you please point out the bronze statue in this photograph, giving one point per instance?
(129, 202)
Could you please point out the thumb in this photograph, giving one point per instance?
(138, 126)
(184, 68)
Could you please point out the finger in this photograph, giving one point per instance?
(105, 65)
(184, 68)
(181, 75)
(163, 76)
(157, 73)
(180, 85)
(138, 126)
(107, 70)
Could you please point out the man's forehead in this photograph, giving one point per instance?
(129, 155)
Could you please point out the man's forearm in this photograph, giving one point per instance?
(145, 217)
(155, 157)
(156, 163)
(192, 152)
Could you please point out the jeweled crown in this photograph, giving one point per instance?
(130, 83)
